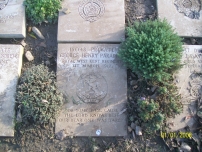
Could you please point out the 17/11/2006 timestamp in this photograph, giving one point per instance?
(176, 135)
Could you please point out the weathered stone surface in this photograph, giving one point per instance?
(92, 21)
(184, 16)
(94, 81)
(190, 86)
(12, 19)
(10, 68)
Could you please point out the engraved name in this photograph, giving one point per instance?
(95, 57)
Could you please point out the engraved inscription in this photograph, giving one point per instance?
(192, 60)
(94, 57)
(3, 4)
(90, 76)
(190, 8)
(5, 55)
(190, 84)
(5, 18)
(91, 10)
(91, 88)
(85, 115)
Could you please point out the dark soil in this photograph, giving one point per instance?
(35, 138)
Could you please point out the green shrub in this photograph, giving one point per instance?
(37, 95)
(39, 11)
(150, 115)
(152, 50)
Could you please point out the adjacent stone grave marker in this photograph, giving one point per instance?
(184, 15)
(12, 19)
(94, 81)
(190, 86)
(92, 21)
(10, 67)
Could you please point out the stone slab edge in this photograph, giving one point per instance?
(119, 36)
(179, 122)
(9, 131)
(22, 29)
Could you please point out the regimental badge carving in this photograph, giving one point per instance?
(3, 4)
(195, 85)
(91, 10)
(91, 88)
(194, 88)
(190, 8)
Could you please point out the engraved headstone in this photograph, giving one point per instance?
(92, 21)
(10, 68)
(189, 82)
(94, 81)
(12, 19)
(184, 15)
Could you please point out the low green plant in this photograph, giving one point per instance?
(152, 50)
(150, 115)
(39, 11)
(37, 95)
(169, 100)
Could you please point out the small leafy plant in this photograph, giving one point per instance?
(150, 115)
(169, 100)
(37, 95)
(152, 50)
(39, 11)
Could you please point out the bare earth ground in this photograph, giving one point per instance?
(36, 138)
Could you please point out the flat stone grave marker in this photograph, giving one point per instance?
(12, 19)
(190, 86)
(94, 81)
(10, 68)
(184, 15)
(91, 21)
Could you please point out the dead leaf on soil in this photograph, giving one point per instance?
(187, 117)
(104, 142)
(29, 29)
(44, 101)
(130, 129)
(139, 17)
(61, 135)
(193, 41)
(31, 35)
(42, 44)
(171, 124)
